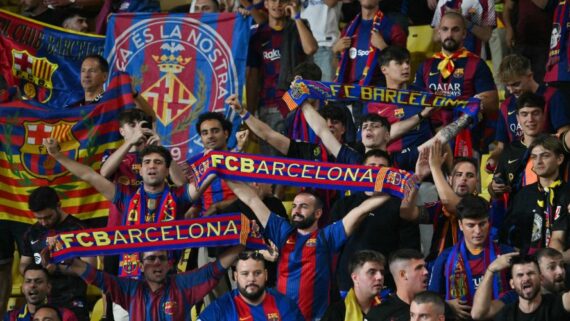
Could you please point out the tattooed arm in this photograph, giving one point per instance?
(448, 132)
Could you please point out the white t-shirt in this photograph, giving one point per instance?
(322, 20)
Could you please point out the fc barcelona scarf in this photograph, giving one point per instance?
(372, 53)
(304, 89)
(220, 230)
(296, 172)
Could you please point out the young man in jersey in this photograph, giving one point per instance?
(158, 296)
(367, 273)
(458, 270)
(539, 211)
(35, 288)
(525, 280)
(457, 72)
(394, 63)
(251, 300)
(515, 73)
(306, 252)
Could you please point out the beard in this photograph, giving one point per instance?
(557, 286)
(305, 223)
(252, 296)
(535, 291)
(450, 45)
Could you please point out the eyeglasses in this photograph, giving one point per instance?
(152, 258)
(250, 255)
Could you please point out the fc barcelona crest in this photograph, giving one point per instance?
(35, 159)
(35, 72)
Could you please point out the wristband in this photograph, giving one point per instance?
(298, 16)
(258, 5)
(245, 116)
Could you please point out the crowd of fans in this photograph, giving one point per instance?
(336, 255)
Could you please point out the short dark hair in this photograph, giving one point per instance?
(548, 142)
(524, 259)
(103, 64)
(133, 115)
(393, 53)
(470, 160)
(333, 112)
(308, 70)
(318, 201)
(161, 150)
(54, 308)
(528, 99)
(405, 254)
(254, 255)
(472, 207)
(70, 13)
(377, 153)
(42, 198)
(358, 259)
(512, 67)
(375, 118)
(454, 14)
(547, 252)
(37, 267)
(226, 124)
(428, 297)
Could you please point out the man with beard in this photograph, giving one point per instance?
(539, 212)
(552, 270)
(367, 273)
(306, 252)
(457, 72)
(251, 298)
(158, 296)
(35, 288)
(525, 279)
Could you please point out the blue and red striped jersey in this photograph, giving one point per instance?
(217, 191)
(555, 111)
(305, 267)
(24, 315)
(558, 65)
(128, 178)
(172, 302)
(231, 307)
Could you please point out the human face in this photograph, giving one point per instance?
(451, 32)
(416, 276)
(155, 266)
(92, 77)
(276, 8)
(424, 312)
(544, 162)
(374, 135)
(337, 128)
(368, 279)
(397, 71)
(369, 4)
(304, 214)
(519, 85)
(475, 231)
(205, 6)
(464, 179)
(48, 217)
(46, 314)
(531, 120)
(251, 277)
(128, 130)
(76, 23)
(213, 135)
(35, 287)
(526, 280)
(376, 161)
(153, 170)
(553, 273)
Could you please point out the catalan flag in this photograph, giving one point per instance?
(84, 134)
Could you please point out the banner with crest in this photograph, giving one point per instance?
(84, 133)
(183, 65)
(44, 61)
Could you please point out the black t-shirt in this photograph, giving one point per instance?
(394, 309)
(382, 230)
(512, 164)
(529, 219)
(550, 309)
(308, 151)
(67, 291)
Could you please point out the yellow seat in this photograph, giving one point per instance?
(420, 44)
(97, 311)
(17, 278)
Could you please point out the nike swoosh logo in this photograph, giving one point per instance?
(34, 242)
(513, 160)
(511, 112)
(246, 318)
(434, 73)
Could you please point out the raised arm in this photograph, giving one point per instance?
(400, 128)
(84, 172)
(484, 308)
(408, 208)
(308, 41)
(249, 197)
(320, 127)
(114, 160)
(448, 197)
(259, 128)
(357, 214)
(229, 256)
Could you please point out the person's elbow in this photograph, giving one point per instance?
(311, 48)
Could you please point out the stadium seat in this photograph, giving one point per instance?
(97, 311)
(420, 45)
